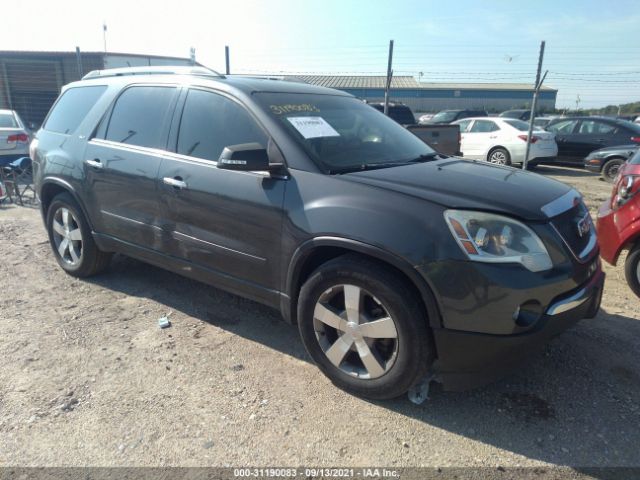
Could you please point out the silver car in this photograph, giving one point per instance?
(14, 137)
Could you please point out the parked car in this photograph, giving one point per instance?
(450, 116)
(397, 111)
(519, 114)
(395, 263)
(14, 137)
(619, 222)
(541, 122)
(424, 118)
(607, 161)
(577, 137)
(503, 141)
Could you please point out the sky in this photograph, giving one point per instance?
(591, 50)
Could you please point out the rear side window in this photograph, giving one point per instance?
(211, 122)
(565, 126)
(484, 126)
(140, 115)
(72, 107)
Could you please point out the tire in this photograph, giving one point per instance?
(402, 346)
(499, 156)
(611, 168)
(632, 269)
(71, 240)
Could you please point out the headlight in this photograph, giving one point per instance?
(485, 237)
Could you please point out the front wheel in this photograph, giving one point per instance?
(364, 327)
(632, 270)
(611, 168)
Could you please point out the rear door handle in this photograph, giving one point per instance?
(95, 163)
(175, 182)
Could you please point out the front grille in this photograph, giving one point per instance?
(576, 229)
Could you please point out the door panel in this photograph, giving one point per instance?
(568, 141)
(226, 221)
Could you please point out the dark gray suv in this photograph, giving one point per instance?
(396, 263)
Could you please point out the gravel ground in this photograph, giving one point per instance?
(88, 378)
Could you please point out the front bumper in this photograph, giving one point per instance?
(469, 359)
(593, 164)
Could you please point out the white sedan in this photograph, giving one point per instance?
(504, 141)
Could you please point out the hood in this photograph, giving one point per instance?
(616, 149)
(464, 184)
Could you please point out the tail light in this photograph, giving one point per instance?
(624, 190)
(18, 138)
(534, 139)
(635, 139)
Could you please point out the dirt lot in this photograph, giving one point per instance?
(88, 378)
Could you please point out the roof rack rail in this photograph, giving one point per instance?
(168, 70)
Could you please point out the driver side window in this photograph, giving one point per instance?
(211, 122)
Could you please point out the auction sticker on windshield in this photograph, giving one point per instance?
(313, 127)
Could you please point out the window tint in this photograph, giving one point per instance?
(565, 126)
(464, 125)
(484, 126)
(139, 116)
(589, 127)
(7, 120)
(72, 107)
(211, 122)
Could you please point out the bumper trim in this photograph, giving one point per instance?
(567, 304)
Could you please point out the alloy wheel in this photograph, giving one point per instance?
(67, 236)
(498, 157)
(355, 331)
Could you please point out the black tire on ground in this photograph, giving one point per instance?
(499, 156)
(632, 269)
(610, 169)
(90, 259)
(413, 343)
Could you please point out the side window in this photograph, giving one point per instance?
(72, 107)
(565, 127)
(211, 122)
(464, 125)
(594, 127)
(140, 115)
(484, 126)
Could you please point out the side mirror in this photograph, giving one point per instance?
(248, 157)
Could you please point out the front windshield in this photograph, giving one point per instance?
(342, 133)
(445, 116)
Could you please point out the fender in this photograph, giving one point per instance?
(69, 188)
(289, 299)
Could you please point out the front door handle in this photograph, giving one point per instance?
(95, 163)
(176, 182)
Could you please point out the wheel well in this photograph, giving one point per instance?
(48, 192)
(323, 254)
(495, 147)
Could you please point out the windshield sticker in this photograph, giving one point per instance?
(293, 107)
(313, 127)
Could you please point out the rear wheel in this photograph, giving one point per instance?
(363, 326)
(71, 240)
(632, 269)
(611, 168)
(499, 156)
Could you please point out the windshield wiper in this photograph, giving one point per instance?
(425, 157)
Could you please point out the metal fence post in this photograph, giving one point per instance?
(534, 104)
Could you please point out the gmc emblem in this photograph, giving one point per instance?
(584, 226)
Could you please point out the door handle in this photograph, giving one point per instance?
(600, 140)
(95, 163)
(176, 182)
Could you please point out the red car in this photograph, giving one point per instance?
(619, 222)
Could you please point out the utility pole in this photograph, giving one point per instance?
(104, 35)
(79, 62)
(577, 102)
(192, 56)
(226, 59)
(389, 76)
(534, 103)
